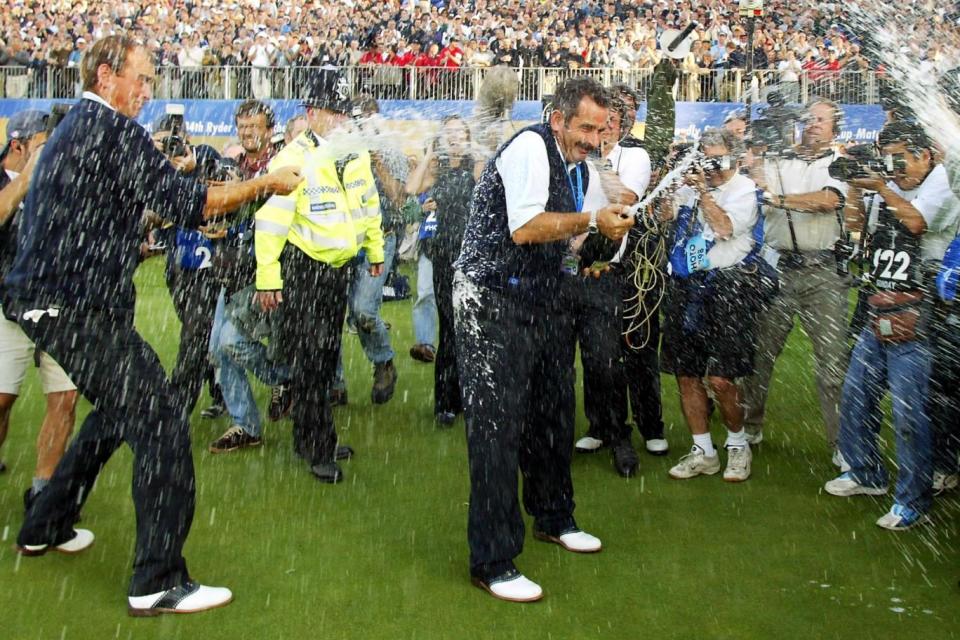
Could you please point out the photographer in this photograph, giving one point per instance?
(190, 280)
(449, 172)
(910, 219)
(803, 224)
(71, 290)
(712, 300)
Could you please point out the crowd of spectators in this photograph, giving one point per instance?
(792, 38)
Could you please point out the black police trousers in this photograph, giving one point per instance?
(516, 369)
(308, 336)
(133, 403)
(943, 401)
(641, 366)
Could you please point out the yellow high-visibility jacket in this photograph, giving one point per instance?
(327, 217)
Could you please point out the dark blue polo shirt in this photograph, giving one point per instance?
(78, 240)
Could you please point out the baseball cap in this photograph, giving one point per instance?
(23, 125)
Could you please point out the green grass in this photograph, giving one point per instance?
(384, 555)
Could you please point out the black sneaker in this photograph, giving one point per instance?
(232, 439)
(384, 382)
(423, 353)
(281, 400)
(328, 472)
(215, 410)
(446, 418)
(3, 467)
(343, 452)
(625, 459)
(338, 397)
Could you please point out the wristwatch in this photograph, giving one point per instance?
(592, 225)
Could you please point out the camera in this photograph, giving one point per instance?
(843, 250)
(278, 142)
(794, 260)
(775, 127)
(219, 170)
(862, 160)
(174, 145)
(57, 113)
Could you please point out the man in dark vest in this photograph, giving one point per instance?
(515, 339)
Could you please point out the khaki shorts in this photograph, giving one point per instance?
(17, 354)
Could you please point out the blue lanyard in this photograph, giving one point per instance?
(578, 192)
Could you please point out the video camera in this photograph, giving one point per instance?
(861, 161)
(174, 145)
(775, 127)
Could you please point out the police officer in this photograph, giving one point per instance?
(304, 242)
(911, 219)
(515, 340)
(74, 297)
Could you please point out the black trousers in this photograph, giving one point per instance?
(944, 396)
(446, 377)
(516, 368)
(194, 295)
(133, 403)
(642, 372)
(596, 311)
(308, 336)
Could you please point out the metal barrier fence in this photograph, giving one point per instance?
(440, 83)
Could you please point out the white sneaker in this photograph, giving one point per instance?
(189, 597)
(738, 464)
(755, 438)
(839, 461)
(944, 482)
(577, 541)
(901, 518)
(695, 463)
(588, 444)
(512, 586)
(657, 446)
(844, 485)
(81, 540)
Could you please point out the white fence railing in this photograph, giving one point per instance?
(430, 83)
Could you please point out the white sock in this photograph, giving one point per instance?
(703, 441)
(737, 439)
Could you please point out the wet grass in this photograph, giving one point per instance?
(383, 555)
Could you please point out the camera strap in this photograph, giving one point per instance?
(793, 232)
(787, 212)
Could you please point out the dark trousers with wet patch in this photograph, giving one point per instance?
(516, 368)
(641, 364)
(308, 336)
(944, 399)
(596, 311)
(133, 403)
(194, 295)
(446, 377)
